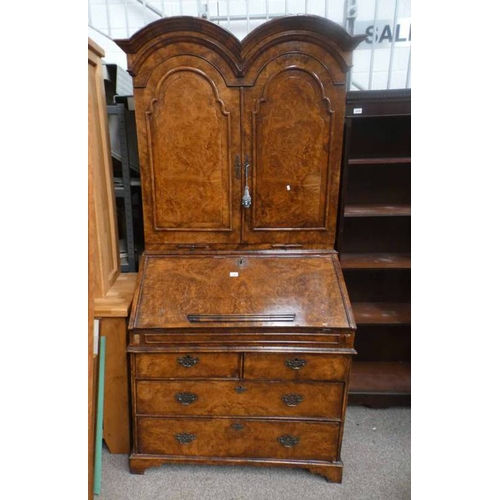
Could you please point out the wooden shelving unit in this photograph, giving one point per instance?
(374, 243)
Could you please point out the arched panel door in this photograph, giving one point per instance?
(293, 136)
(189, 133)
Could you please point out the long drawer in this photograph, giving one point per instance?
(238, 438)
(296, 366)
(251, 398)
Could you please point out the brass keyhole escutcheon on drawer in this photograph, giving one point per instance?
(185, 437)
(237, 427)
(288, 441)
(240, 389)
(295, 363)
(292, 399)
(186, 398)
(187, 361)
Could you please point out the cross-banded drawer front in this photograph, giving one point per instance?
(187, 365)
(238, 438)
(296, 366)
(250, 398)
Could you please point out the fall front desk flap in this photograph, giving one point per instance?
(241, 290)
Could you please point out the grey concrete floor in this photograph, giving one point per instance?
(375, 452)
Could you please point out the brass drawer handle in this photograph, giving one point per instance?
(187, 361)
(288, 441)
(292, 399)
(237, 427)
(240, 389)
(186, 398)
(185, 437)
(296, 363)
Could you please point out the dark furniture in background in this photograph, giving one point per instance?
(126, 172)
(374, 242)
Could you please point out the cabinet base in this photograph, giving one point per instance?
(332, 472)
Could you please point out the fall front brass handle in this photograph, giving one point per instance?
(296, 363)
(185, 437)
(292, 399)
(240, 389)
(288, 441)
(238, 318)
(187, 361)
(186, 398)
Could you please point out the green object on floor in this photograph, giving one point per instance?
(99, 418)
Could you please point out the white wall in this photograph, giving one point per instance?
(122, 18)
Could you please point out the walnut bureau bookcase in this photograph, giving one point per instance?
(241, 332)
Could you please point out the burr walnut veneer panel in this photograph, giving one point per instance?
(188, 124)
(293, 126)
(279, 289)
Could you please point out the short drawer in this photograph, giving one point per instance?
(296, 366)
(238, 438)
(187, 365)
(214, 398)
